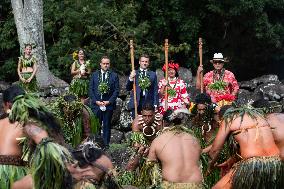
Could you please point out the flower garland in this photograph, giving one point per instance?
(218, 83)
(75, 55)
(87, 64)
(225, 97)
(144, 82)
(171, 90)
(221, 76)
(27, 62)
(103, 87)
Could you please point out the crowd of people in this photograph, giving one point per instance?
(208, 143)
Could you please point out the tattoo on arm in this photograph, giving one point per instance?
(33, 130)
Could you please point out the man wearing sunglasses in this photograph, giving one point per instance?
(219, 83)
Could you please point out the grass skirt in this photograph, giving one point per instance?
(171, 185)
(48, 166)
(84, 185)
(80, 87)
(31, 86)
(11, 173)
(259, 172)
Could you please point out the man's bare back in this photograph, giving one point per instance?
(276, 122)
(179, 155)
(254, 137)
(9, 132)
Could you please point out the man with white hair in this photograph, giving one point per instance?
(219, 83)
(178, 152)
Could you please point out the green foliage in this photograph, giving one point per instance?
(249, 32)
(8, 43)
(218, 86)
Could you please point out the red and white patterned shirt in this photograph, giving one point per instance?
(229, 78)
(178, 101)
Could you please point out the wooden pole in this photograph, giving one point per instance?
(134, 82)
(200, 64)
(166, 73)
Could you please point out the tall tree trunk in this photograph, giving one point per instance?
(28, 15)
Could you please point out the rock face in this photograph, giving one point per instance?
(116, 136)
(117, 112)
(245, 96)
(119, 154)
(271, 91)
(3, 86)
(267, 86)
(53, 91)
(122, 85)
(125, 119)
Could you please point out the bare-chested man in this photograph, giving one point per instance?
(205, 119)
(11, 164)
(146, 125)
(47, 160)
(260, 166)
(178, 152)
(276, 122)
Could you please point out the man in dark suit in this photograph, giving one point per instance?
(146, 86)
(104, 89)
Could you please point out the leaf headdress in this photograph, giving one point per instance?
(22, 105)
(232, 113)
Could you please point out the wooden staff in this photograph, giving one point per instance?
(134, 83)
(166, 73)
(200, 63)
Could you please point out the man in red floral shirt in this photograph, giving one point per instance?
(219, 83)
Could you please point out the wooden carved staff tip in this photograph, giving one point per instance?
(200, 41)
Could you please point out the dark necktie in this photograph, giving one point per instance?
(143, 73)
(104, 76)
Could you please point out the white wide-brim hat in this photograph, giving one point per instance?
(217, 57)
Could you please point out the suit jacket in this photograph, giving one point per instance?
(111, 96)
(151, 94)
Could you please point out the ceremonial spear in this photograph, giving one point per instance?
(166, 73)
(200, 64)
(134, 82)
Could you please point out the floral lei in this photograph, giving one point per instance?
(87, 64)
(27, 62)
(103, 87)
(215, 74)
(171, 90)
(144, 81)
(218, 83)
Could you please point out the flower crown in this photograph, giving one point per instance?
(33, 45)
(75, 55)
(172, 65)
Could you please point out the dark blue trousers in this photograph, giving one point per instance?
(105, 120)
